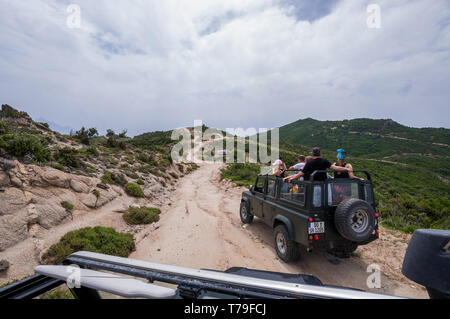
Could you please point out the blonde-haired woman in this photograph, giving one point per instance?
(279, 169)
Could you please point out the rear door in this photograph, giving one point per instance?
(259, 194)
(269, 202)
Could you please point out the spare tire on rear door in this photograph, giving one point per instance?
(355, 220)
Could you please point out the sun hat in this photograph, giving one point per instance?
(341, 154)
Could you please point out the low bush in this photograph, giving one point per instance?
(92, 151)
(241, 174)
(114, 178)
(140, 182)
(68, 206)
(134, 175)
(143, 215)
(98, 239)
(134, 190)
(58, 166)
(68, 157)
(19, 145)
(58, 293)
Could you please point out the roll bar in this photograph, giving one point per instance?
(369, 177)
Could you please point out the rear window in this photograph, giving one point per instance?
(368, 195)
(271, 190)
(259, 187)
(293, 192)
(338, 192)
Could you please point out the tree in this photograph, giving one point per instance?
(84, 135)
(110, 133)
(123, 134)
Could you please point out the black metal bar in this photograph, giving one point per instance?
(369, 177)
(85, 293)
(232, 289)
(29, 288)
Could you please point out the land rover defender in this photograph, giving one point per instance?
(337, 215)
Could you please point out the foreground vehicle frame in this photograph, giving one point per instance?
(426, 262)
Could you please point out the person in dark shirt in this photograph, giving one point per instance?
(316, 164)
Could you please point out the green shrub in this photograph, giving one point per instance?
(143, 215)
(21, 144)
(85, 135)
(241, 174)
(68, 206)
(92, 151)
(134, 190)
(98, 239)
(58, 293)
(58, 166)
(140, 182)
(134, 175)
(68, 157)
(114, 178)
(91, 170)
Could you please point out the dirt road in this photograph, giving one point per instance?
(202, 229)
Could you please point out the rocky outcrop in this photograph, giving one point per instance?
(13, 200)
(31, 196)
(4, 179)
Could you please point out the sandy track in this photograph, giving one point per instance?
(202, 229)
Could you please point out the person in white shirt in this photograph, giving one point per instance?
(301, 163)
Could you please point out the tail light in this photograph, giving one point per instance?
(316, 237)
(311, 220)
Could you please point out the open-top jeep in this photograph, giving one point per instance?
(336, 214)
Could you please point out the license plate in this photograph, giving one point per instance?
(317, 228)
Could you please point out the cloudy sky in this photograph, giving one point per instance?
(151, 65)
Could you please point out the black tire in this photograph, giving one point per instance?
(244, 213)
(355, 220)
(344, 251)
(285, 247)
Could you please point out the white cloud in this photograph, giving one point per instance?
(149, 65)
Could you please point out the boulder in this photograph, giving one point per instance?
(49, 215)
(13, 229)
(6, 164)
(4, 265)
(90, 200)
(79, 186)
(15, 181)
(103, 186)
(13, 200)
(4, 179)
(56, 178)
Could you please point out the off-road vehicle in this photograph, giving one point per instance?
(336, 214)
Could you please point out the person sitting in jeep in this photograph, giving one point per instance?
(342, 156)
(316, 164)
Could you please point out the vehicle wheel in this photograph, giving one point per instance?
(286, 248)
(344, 251)
(244, 212)
(355, 220)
